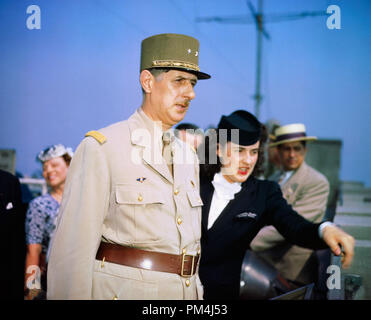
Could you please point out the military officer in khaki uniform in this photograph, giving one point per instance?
(130, 220)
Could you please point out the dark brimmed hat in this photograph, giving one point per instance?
(248, 126)
(173, 51)
(290, 133)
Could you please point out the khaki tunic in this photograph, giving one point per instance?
(307, 191)
(121, 191)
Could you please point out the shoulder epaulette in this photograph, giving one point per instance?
(97, 136)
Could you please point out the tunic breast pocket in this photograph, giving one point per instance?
(134, 195)
(139, 207)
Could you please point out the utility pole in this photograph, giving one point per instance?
(259, 24)
(259, 19)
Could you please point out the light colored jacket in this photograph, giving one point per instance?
(307, 191)
(121, 191)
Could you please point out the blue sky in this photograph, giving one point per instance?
(80, 71)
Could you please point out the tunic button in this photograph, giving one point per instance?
(188, 283)
(140, 198)
(179, 221)
(176, 191)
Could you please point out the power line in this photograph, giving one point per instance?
(122, 19)
(259, 19)
(214, 48)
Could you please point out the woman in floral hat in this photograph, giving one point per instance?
(41, 218)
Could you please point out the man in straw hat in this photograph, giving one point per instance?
(307, 191)
(130, 221)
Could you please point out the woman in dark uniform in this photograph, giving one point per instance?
(237, 206)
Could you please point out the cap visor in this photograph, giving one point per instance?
(200, 75)
(292, 140)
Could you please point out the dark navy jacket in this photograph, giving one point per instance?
(12, 237)
(223, 246)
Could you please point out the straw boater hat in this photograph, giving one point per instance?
(173, 51)
(290, 133)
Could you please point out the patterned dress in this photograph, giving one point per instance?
(40, 220)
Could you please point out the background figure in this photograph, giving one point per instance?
(273, 159)
(189, 133)
(237, 205)
(41, 217)
(12, 237)
(307, 191)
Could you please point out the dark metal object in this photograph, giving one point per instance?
(259, 280)
(352, 283)
(302, 293)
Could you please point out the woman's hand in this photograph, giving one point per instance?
(340, 243)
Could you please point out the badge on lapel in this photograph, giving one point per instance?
(141, 180)
(292, 188)
(245, 215)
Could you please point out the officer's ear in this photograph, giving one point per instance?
(147, 80)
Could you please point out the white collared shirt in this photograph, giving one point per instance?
(284, 177)
(224, 192)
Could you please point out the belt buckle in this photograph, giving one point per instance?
(193, 265)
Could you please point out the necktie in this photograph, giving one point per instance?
(166, 150)
(281, 177)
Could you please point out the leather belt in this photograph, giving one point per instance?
(183, 264)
